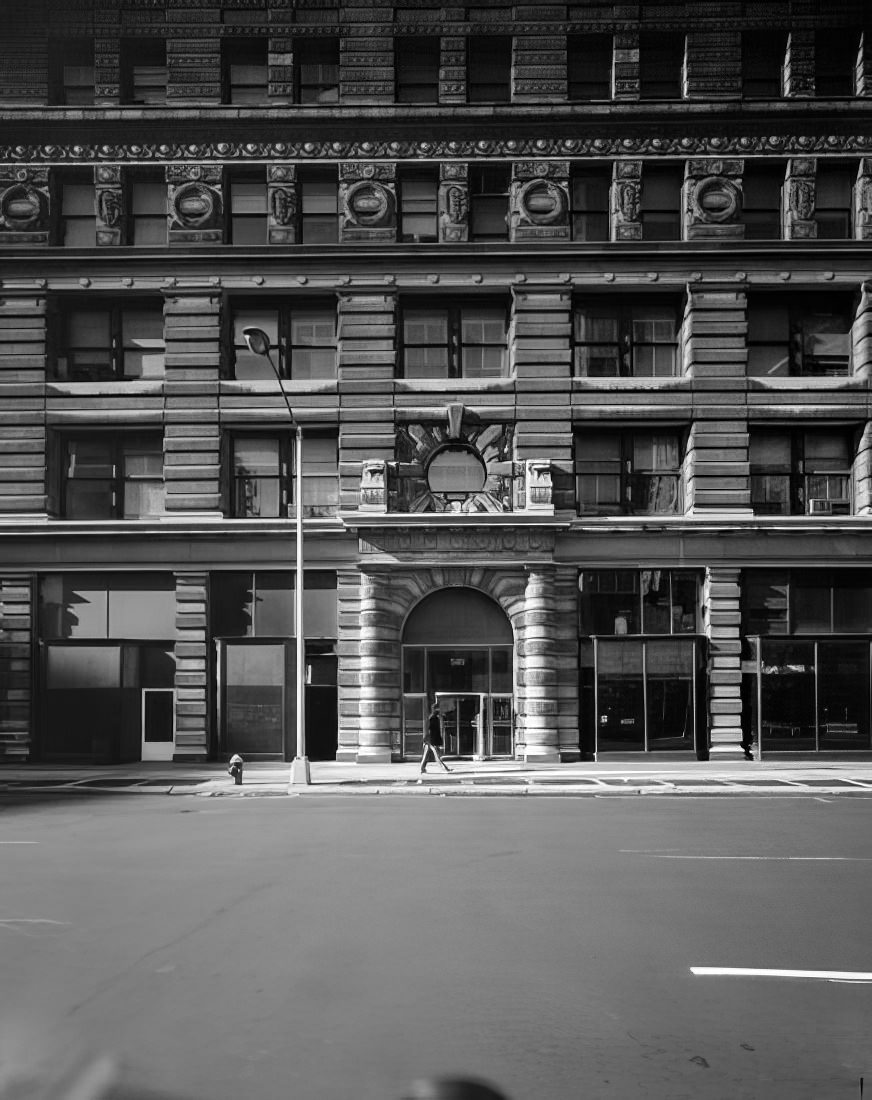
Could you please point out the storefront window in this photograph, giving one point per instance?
(648, 601)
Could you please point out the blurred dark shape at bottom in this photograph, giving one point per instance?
(452, 1088)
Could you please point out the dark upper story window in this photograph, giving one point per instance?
(489, 202)
(589, 66)
(247, 202)
(836, 57)
(590, 191)
(144, 71)
(802, 601)
(628, 472)
(763, 54)
(244, 70)
(762, 185)
(801, 472)
(319, 206)
(147, 198)
(112, 476)
(77, 226)
(416, 68)
(625, 339)
(646, 601)
(262, 481)
(419, 204)
(489, 68)
(302, 337)
(316, 70)
(799, 334)
(109, 341)
(661, 203)
(454, 341)
(71, 72)
(661, 64)
(834, 193)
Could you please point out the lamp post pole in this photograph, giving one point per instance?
(258, 343)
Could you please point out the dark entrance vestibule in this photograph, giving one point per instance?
(458, 648)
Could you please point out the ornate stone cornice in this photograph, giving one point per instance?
(685, 146)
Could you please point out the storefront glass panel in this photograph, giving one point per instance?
(254, 699)
(670, 695)
(787, 695)
(843, 695)
(620, 696)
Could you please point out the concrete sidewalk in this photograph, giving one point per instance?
(511, 778)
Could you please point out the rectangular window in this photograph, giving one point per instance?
(148, 211)
(613, 340)
(111, 342)
(661, 64)
(489, 68)
(248, 208)
(648, 601)
(316, 70)
(591, 188)
(489, 202)
(455, 341)
(261, 467)
(799, 335)
(113, 476)
(589, 66)
(319, 207)
(144, 72)
(244, 70)
(71, 72)
(320, 474)
(628, 472)
(762, 185)
(661, 203)
(419, 205)
(763, 54)
(302, 337)
(836, 57)
(834, 190)
(416, 68)
(801, 472)
(78, 228)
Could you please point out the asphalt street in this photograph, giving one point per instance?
(329, 948)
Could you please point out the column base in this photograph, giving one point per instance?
(534, 754)
(377, 754)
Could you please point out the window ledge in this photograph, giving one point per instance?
(581, 382)
(806, 381)
(270, 386)
(455, 385)
(103, 389)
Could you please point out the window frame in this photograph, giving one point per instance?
(796, 476)
(238, 221)
(283, 353)
(586, 51)
(454, 344)
(489, 72)
(658, 52)
(117, 350)
(758, 54)
(799, 311)
(150, 222)
(325, 502)
(766, 216)
(831, 45)
(61, 91)
(485, 203)
(625, 313)
(282, 479)
(311, 222)
(583, 215)
(842, 215)
(233, 56)
(630, 475)
(306, 51)
(651, 215)
(74, 221)
(137, 56)
(410, 84)
(119, 445)
(418, 175)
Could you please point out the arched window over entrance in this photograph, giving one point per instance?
(458, 648)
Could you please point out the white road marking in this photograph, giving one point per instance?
(19, 842)
(755, 972)
(781, 859)
(32, 920)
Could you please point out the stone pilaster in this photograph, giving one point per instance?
(626, 204)
(538, 67)
(539, 677)
(379, 705)
(350, 662)
(17, 646)
(863, 201)
(193, 54)
(626, 79)
(23, 442)
(453, 203)
(713, 200)
(713, 68)
(196, 204)
(366, 61)
(722, 624)
(539, 201)
(25, 205)
(192, 665)
(799, 199)
(107, 58)
(799, 63)
(864, 65)
(863, 473)
(280, 68)
(192, 442)
(282, 205)
(861, 335)
(367, 202)
(565, 660)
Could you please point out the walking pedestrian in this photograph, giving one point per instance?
(433, 740)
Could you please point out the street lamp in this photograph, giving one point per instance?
(257, 342)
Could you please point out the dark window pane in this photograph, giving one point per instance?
(416, 65)
(589, 66)
(763, 54)
(661, 57)
(489, 69)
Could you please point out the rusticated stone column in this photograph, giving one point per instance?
(539, 704)
(863, 199)
(379, 673)
(565, 660)
(722, 619)
(192, 664)
(863, 473)
(16, 654)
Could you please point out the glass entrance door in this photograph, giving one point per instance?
(253, 698)
(463, 724)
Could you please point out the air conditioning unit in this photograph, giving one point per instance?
(822, 506)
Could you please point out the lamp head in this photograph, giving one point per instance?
(257, 341)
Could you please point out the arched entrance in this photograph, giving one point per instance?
(458, 648)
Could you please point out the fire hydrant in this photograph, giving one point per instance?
(235, 769)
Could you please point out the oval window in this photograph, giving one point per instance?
(456, 470)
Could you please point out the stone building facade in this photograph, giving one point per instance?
(572, 304)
